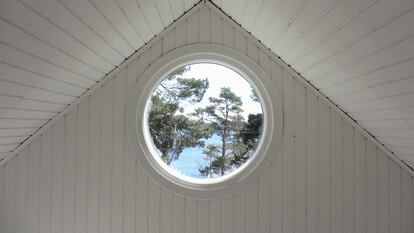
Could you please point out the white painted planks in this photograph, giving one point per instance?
(357, 53)
(61, 49)
(319, 182)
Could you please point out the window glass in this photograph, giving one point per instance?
(205, 120)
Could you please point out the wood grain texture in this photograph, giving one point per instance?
(81, 176)
(359, 53)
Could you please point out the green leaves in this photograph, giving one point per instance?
(173, 128)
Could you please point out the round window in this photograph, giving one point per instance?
(205, 121)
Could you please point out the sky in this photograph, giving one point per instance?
(220, 76)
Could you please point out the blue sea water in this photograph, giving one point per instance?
(191, 159)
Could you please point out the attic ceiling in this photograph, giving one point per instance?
(359, 53)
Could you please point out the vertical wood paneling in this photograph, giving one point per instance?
(2, 199)
(117, 186)
(190, 216)
(81, 176)
(348, 178)
(10, 198)
(312, 163)
(360, 184)
(372, 188)
(45, 182)
(57, 177)
(288, 205)
(300, 156)
(324, 175)
(94, 122)
(228, 214)
(336, 173)
(383, 194)
(22, 185)
(106, 158)
(33, 192)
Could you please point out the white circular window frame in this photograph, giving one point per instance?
(144, 149)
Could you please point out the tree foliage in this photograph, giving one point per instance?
(172, 129)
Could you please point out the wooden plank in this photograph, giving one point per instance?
(47, 32)
(22, 187)
(276, 193)
(288, 207)
(263, 203)
(93, 180)
(204, 27)
(17, 113)
(383, 194)
(18, 59)
(178, 214)
(370, 64)
(166, 211)
(299, 92)
(69, 171)
(130, 163)
(10, 197)
(216, 28)
(252, 207)
(215, 215)
(155, 51)
(17, 38)
(45, 95)
(153, 214)
(177, 8)
(203, 216)
(331, 23)
(142, 200)
(360, 183)
(324, 181)
(100, 24)
(117, 177)
(336, 172)
(19, 73)
(148, 9)
(74, 27)
(372, 188)
(391, 22)
(130, 189)
(312, 124)
(167, 43)
(240, 224)
(33, 189)
(228, 214)
(137, 18)
(228, 34)
(190, 217)
(105, 161)
(192, 28)
(119, 20)
(180, 34)
(2, 199)
(45, 181)
(57, 176)
(348, 177)
(164, 11)
(407, 202)
(394, 197)
(82, 156)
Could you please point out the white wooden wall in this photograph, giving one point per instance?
(80, 175)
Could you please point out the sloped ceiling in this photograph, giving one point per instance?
(53, 51)
(359, 53)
